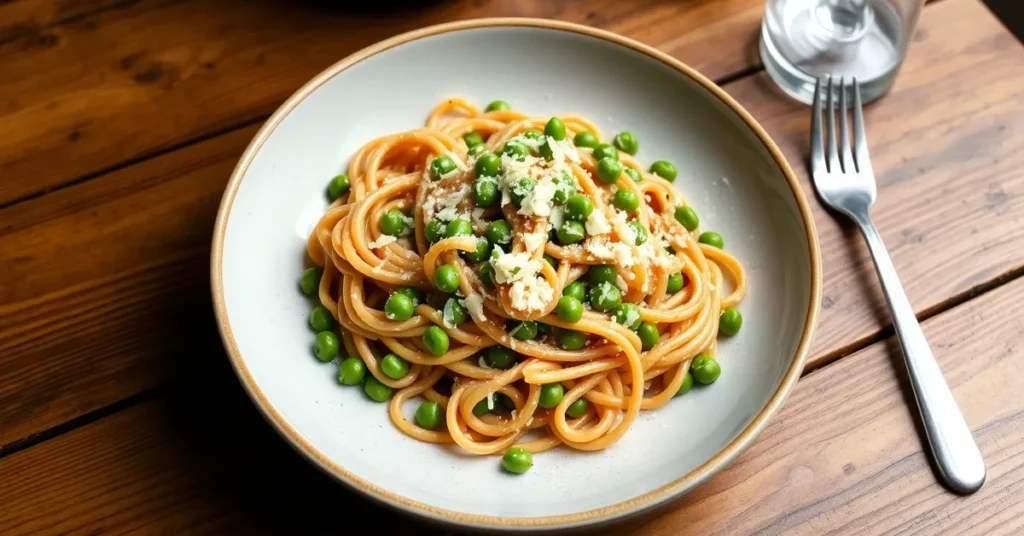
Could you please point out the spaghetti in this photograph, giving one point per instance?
(535, 286)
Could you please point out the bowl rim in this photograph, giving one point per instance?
(617, 511)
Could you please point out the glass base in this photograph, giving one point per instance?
(802, 41)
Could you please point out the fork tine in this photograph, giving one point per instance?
(817, 149)
(860, 137)
(833, 155)
(844, 137)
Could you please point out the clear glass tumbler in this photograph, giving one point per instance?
(803, 40)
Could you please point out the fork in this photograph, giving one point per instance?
(845, 181)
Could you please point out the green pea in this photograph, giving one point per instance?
(639, 231)
(664, 169)
(351, 371)
(705, 369)
(326, 346)
(555, 128)
(455, 312)
(569, 309)
(320, 319)
(520, 189)
(393, 222)
(543, 329)
(481, 407)
(398, 307)
(675, 283)
(648, 335)
(414, 294)
(627, 142)
(498, 106)
(551, 261)
(517, 460)
(570, 339)
(575, 290)
(524, 331)
(515, 149)
(565, 186)
(626, 200)
(605, 297)
(446, 278)
(434, 231)
(628, 315)
(487, 274)
(394, 367)
(551, 394)
(606, 150)
(633, 174)
(436, 340)
(730, 321)
(485, 192)
(472, 138)
(687, 216)
(310, 281)
(577, 409)
(608, 170)
(475, 150)
(482, 253)
(711, 238)
(500, 357)
(602, 273)
(487, 165)
(686, 385)
(378, 392)
(428, 415)
(571, 232)
(579, 207)
(533, 134)
(458, 227)
(499, 232)
(585, 139)
(338, 186)
(441, 166)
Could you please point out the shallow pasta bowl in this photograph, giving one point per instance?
(728, 168)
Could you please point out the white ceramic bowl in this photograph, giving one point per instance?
(728, 167)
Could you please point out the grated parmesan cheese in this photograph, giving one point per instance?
(597, 223)
(534, 241)
(510, 267)
(475, 305)
(539, 201)
(382, 241)
(531, 294)
(557, 217)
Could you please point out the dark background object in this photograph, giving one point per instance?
(1011, 13)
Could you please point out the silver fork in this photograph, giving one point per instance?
(845, 181)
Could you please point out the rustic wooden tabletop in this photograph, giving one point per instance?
(120, 122)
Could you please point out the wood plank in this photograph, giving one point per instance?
(190, 68)
(947, 146)
(844, 455)
(112, 276)
(135, 242)
(20, 18)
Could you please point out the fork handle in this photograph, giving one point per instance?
(956, 454)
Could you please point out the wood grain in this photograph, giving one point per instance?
(22, 18)
(947, 146)
(73, 95)
(843, 456)
(100, 271)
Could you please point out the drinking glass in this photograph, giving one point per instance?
(804, 40)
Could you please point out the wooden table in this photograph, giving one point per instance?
(120, 122)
